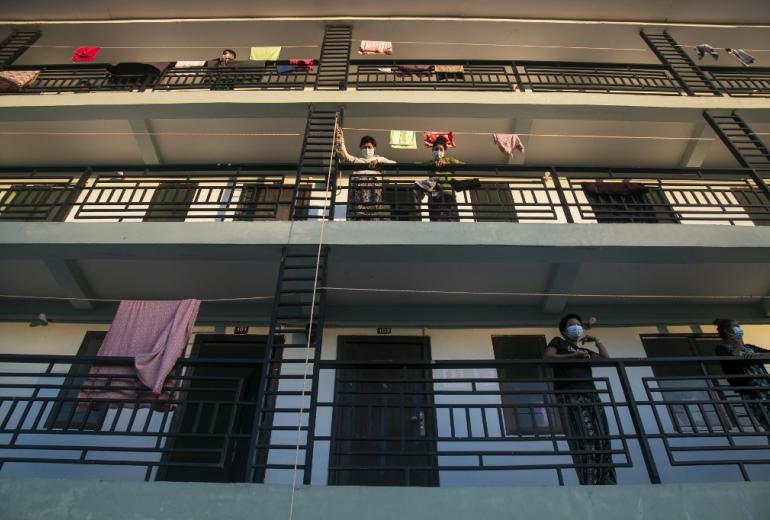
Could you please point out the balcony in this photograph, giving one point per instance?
(479, 193)
(476, 75)
(409, 423)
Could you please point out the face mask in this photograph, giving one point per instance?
(438, 154)
(736, 332)
(574, 332)
(367, 153)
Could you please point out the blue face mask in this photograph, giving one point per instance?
(438, 154)
(367, 153)
(573, 332)
(735, 332)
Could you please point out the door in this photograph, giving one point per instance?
(384, 423)
(493, 203)
(171, 202)
(211, 431)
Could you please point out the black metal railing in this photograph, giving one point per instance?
(460, 422)
(399, 192)
(279, 75)
(170, 194)
(502, 193)
(377, 74)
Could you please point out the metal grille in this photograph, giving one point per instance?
(670, 53)
(741, 82)
(335, 58)
(602, 78)
(15, 45)
(397, 75)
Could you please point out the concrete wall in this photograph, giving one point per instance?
(62, 500)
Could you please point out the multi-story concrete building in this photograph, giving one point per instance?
(344, 340)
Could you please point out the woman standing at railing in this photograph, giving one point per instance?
(365, 201)
(442, 200)
(755, 389)
(583, 416)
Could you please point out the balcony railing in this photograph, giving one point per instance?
(468, 193)
(370, 74)
(461, 422)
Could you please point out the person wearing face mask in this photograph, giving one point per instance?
(583, 417)
(442, 201)
(365, 201)
(746, 360)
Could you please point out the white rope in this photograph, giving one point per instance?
(529, 46)
(65, 298)
(227, 134)
(220, 47)
(577, 136)
(575, 295)
(310, 332)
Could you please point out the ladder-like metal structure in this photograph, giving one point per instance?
(286, 403)
(692, 79)
(317, 165)
(15, 45)
(334, 61)
(744, 144)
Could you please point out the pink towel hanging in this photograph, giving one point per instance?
(375, 47)
(508, 143)
(85, 54)
(155, 334)
(428, 138)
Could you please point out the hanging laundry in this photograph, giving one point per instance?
(265, 53)
(403, 139)
(428, 138)
(508, 143)
(155, 335)
(375, 47)
(189, 64)
(452, 69)
(387, 70)
(304, 64)
(744, 57)
(17, 79)
(85, 54)
(419, 70)
(284, 69)
(703, 49)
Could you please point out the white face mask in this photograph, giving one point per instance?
(438, 154)
(367, 153)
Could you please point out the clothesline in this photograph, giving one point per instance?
(227, 134)
(220, 47)
(454, 44)
(113, 300)
(435, 292)
(580, 136)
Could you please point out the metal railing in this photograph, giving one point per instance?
(503, 193)
(158, 194)
(374, 74)
(502, 422)
(97, 77)
(399, 192)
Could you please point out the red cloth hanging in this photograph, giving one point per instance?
(428, 138)
(85, 54)
(304, 64)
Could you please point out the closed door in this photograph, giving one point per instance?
(211, 431)
(384, 424)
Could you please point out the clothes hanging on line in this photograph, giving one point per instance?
(17, 79)
(85, 54)
(703, 49)
(189, 64)
(264, 53)
(304, 64)
(428, 138)
(408, 70)
(508, 143)
(403, 139)
(375, 47)
(744, 57)
(449, 69)
(284, 69)
(155, 335)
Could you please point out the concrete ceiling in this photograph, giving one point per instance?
(412, 40)
(693, 11)
(215, 141)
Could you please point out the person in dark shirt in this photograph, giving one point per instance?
(746, 361)
(217, 77)
(583, 414)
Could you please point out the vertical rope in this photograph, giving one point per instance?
(310, 330)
